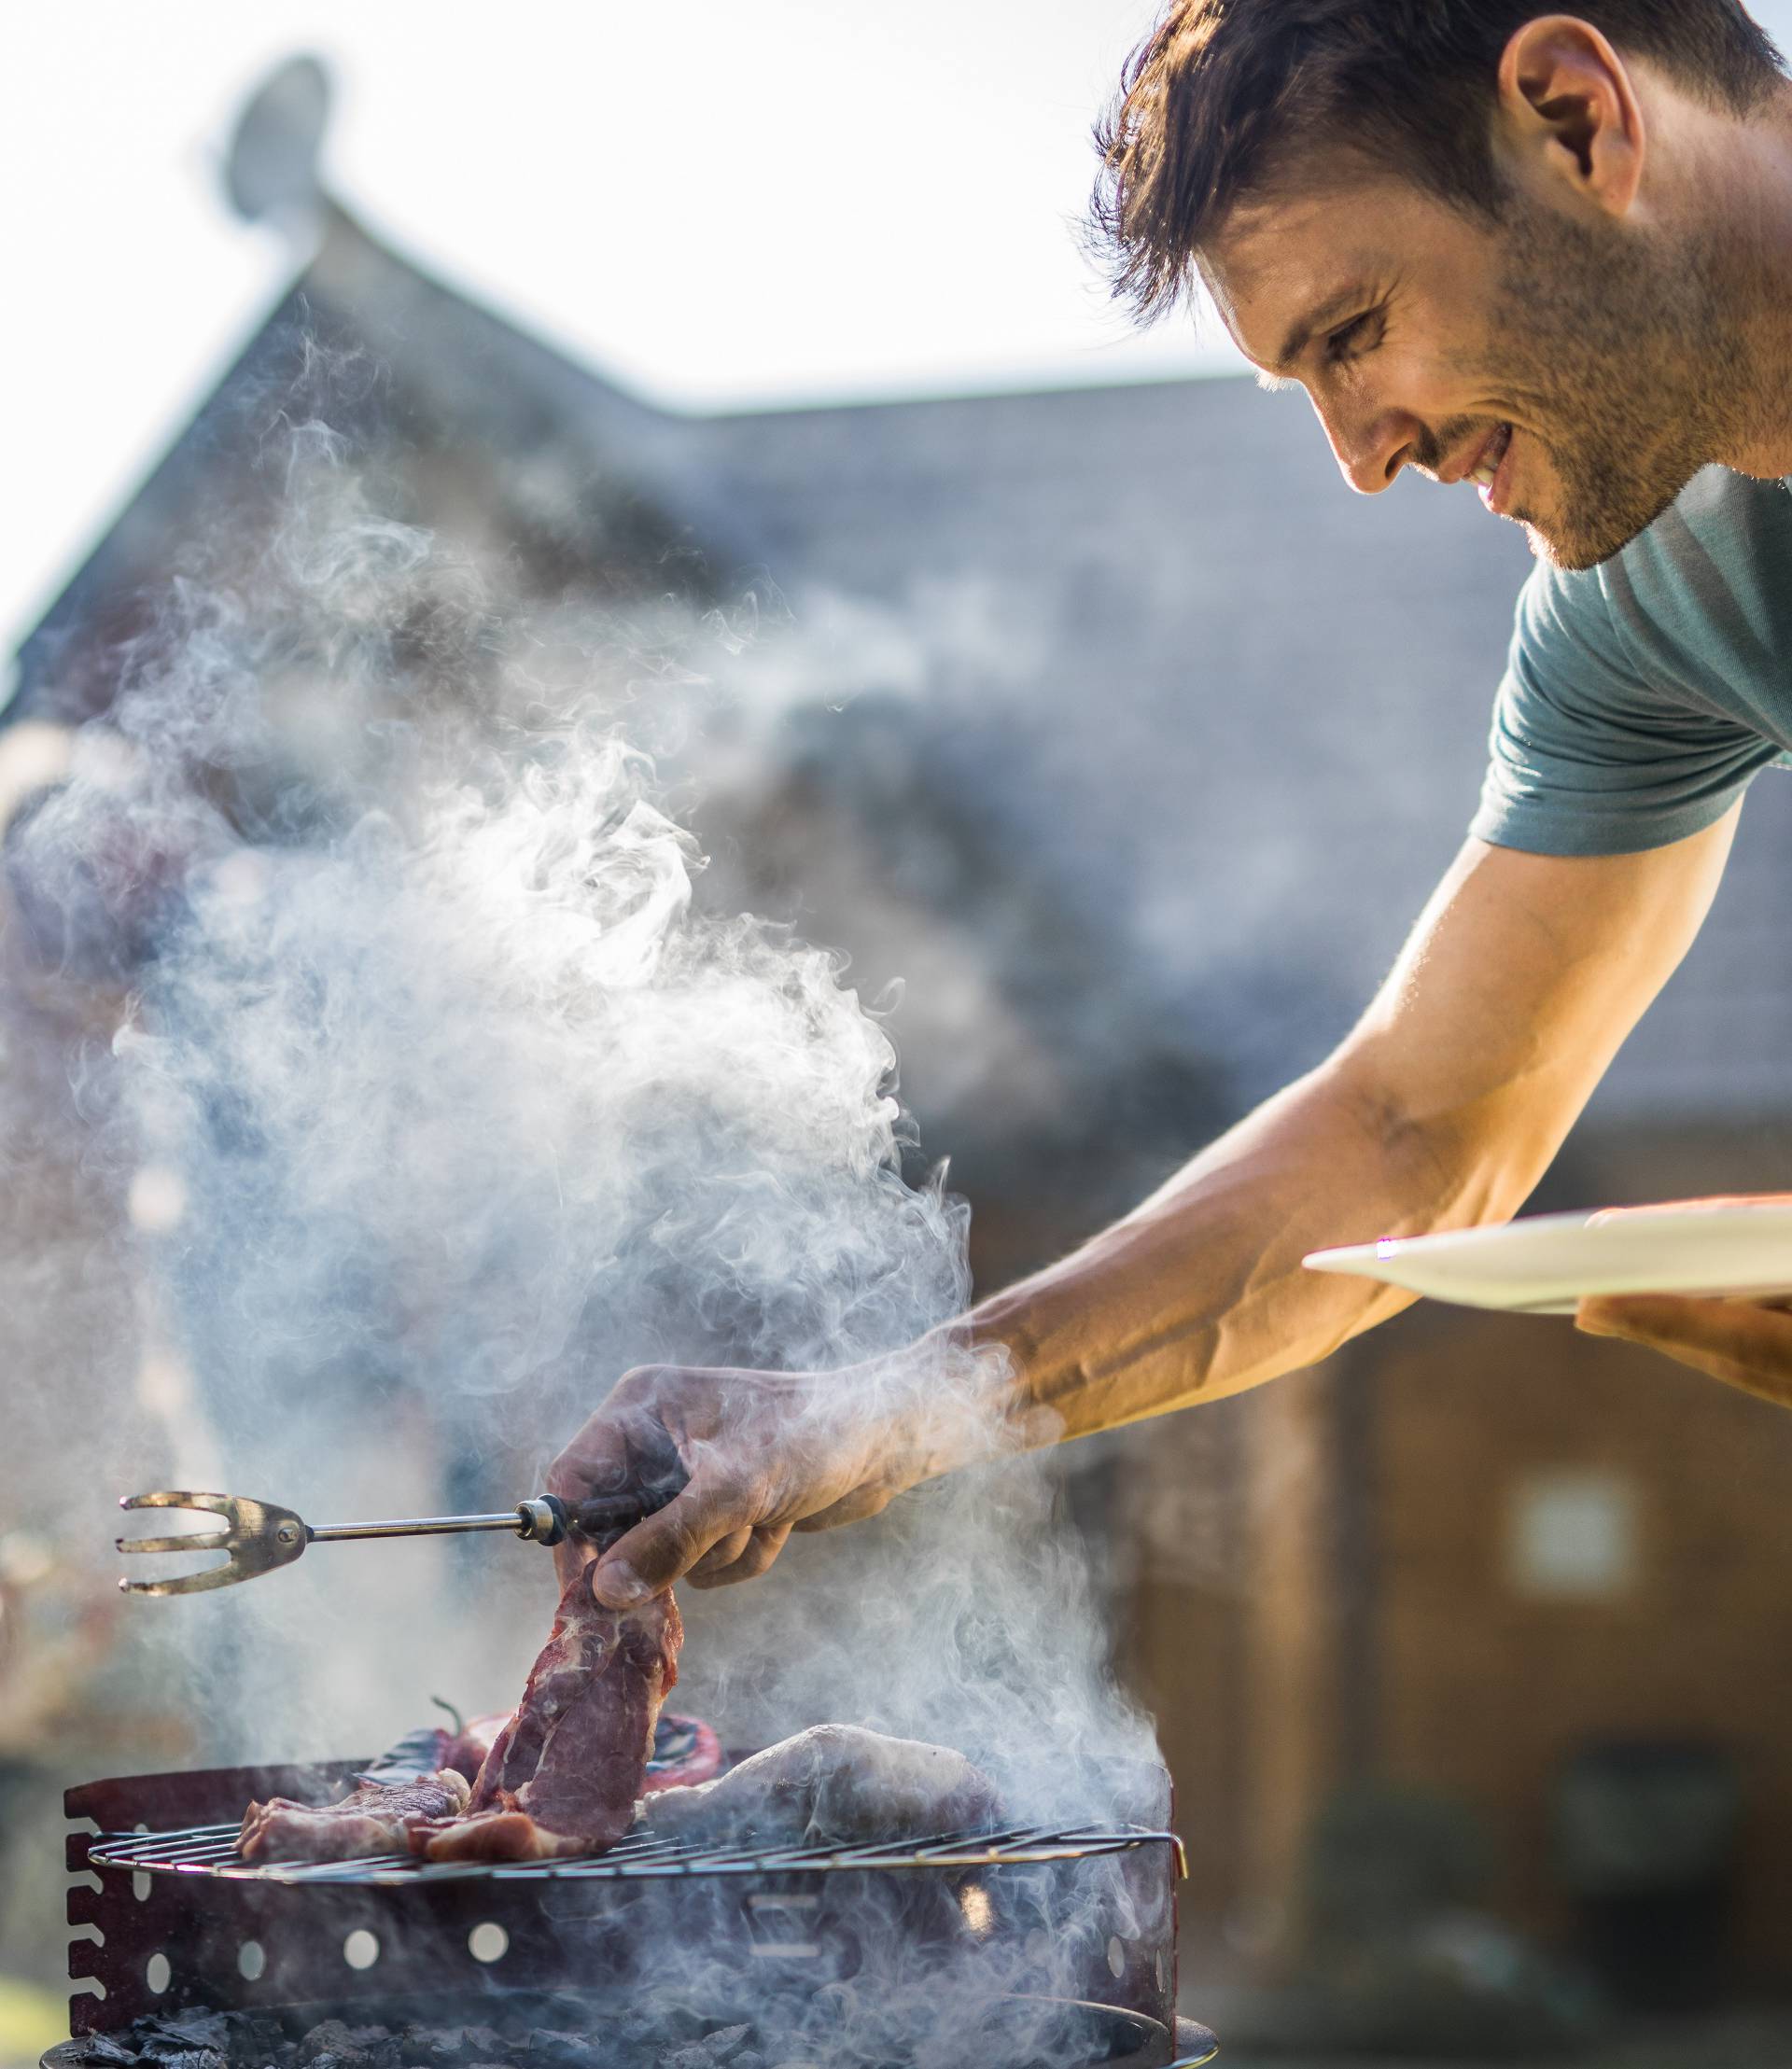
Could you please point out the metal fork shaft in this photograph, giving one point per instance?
(418, 1526)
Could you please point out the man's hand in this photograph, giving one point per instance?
(1736, 1341)
(766, 1452)
(1745, 1344)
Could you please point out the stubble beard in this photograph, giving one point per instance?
(1616, 357)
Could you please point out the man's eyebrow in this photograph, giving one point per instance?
(1339, 304)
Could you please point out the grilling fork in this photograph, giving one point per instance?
(258, 1536)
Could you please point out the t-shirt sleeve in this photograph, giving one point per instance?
(1589, 755)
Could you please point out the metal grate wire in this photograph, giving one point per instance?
(210, 1850)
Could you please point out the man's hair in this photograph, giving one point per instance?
(1216, 104)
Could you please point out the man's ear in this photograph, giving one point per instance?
(1569, 120)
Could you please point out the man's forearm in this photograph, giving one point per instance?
(1200, 1292)
(1442, 1108)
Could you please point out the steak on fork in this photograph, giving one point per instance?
(565, 1772)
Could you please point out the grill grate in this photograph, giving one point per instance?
(165, 1915)
(210, 1850)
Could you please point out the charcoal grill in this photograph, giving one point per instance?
(165, 1917)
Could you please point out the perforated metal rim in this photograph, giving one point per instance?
(210, 1850)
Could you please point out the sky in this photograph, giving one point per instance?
(722, 206)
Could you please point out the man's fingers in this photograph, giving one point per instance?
(721, 1555)
(624, 1442)
(607, 1453)
(1738, 1342)
(598, 1461)
(763, 1544)
(851, 1509)
(655, 1553)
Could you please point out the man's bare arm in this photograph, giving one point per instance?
(1441, 1109)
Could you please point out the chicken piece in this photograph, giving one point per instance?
(565, 1771)
(833, 1783)
(376, 1817)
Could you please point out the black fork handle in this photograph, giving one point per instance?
(600, 1518)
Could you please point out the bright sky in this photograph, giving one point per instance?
(721, 203)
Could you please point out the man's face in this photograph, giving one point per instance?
(1563, 366)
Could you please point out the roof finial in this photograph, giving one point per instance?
(273, 166)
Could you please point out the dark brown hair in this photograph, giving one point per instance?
(1211, 103)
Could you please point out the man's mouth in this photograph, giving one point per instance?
(1488, 472)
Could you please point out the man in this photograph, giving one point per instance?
(1551, 257)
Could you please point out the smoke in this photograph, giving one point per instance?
(439, 1099)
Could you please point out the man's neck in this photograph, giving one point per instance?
(1748, 221)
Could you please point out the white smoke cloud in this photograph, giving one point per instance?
(441, 1101)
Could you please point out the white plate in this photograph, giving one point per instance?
(1548, 1264)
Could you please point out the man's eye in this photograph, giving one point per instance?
(1350, 339)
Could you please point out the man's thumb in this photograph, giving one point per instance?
(662, 1549)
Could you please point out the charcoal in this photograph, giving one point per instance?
(349, 2046)
(257, 2036)
(449, 2046)
(668, 2025)
(550, 2048)
(355, 2048)
(187, 2040)
(720, 2049)
(201, 2040)
(189, 2030)
(101, 2051)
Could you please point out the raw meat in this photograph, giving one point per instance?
(834, 1783)
(565, 1772)
(375, 1818)
(685, 1749)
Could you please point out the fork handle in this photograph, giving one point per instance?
(549, 1520)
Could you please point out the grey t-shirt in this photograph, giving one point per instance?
(1643, 698)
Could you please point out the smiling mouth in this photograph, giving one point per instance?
(1485, 474)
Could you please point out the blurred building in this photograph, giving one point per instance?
(1106, 721)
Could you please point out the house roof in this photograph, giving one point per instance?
(1223, 720)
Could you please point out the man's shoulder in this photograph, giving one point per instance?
(1644, 695)
(1723, 526)
(1714, 567)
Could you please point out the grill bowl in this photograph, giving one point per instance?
(1022, 1913)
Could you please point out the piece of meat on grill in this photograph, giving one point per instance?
(564, 1773)
(686, 1751)
(464, 1751)
(376, 1817)
(834, 1783)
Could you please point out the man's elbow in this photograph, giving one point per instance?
(1460, 1160)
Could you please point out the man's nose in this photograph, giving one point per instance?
(1370, 446)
